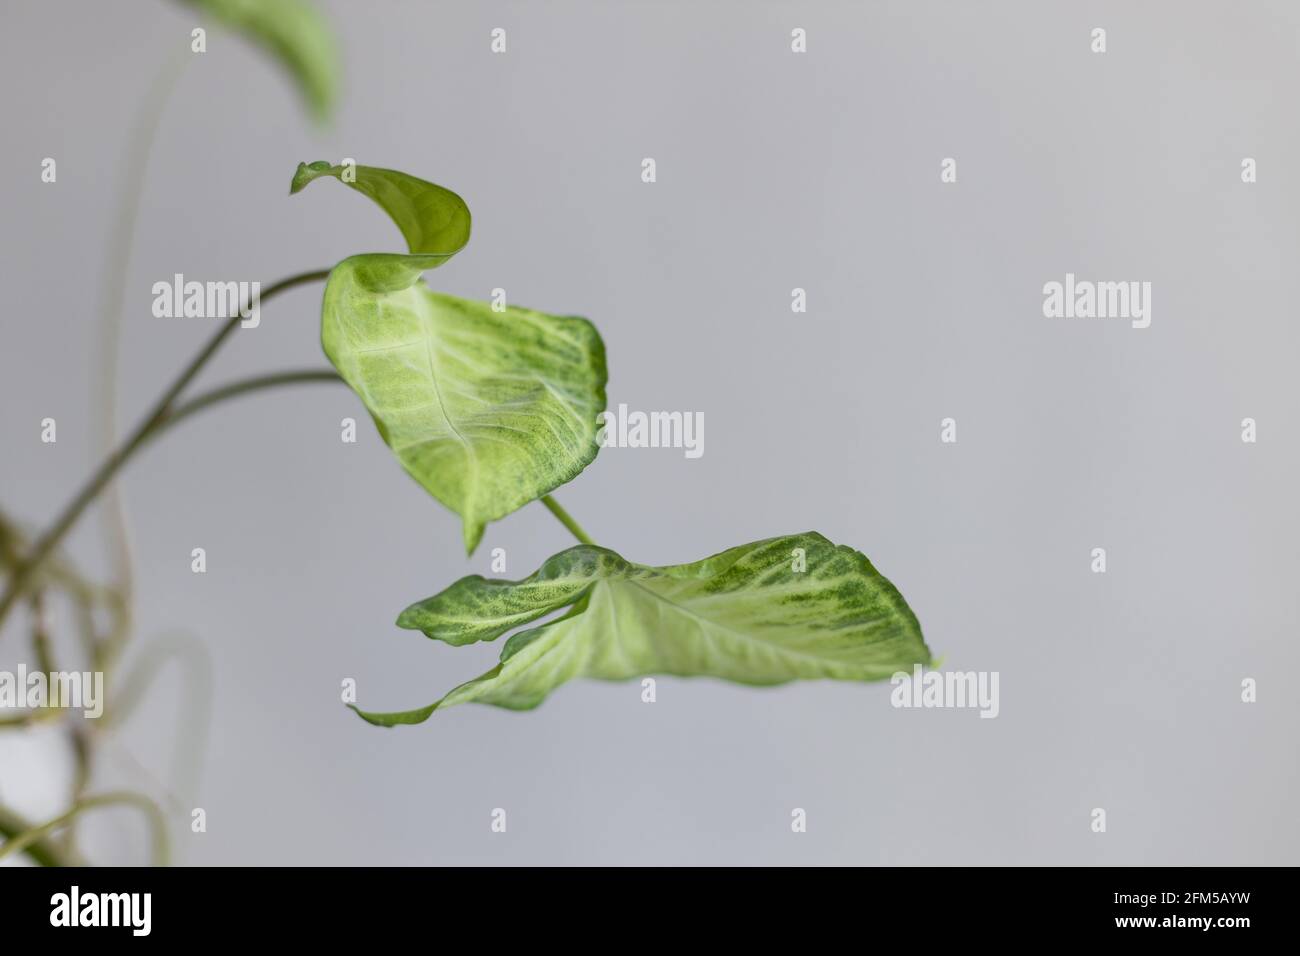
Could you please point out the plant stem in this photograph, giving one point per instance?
(157, 823)
(241, 387)
(148, 119)
(43, 852)
(41, 633)
(566, 519)
(160, 411)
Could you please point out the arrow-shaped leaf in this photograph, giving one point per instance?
(487, 409)
(763, 613)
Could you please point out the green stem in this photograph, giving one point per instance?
(242, 387)
(160, 411)
(566, 519)
(42, 852)
(157, 823)
(41, 633)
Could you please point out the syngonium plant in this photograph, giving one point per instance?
(492, 409)
(488, 410)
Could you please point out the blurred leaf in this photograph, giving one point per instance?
(746, 615)
(296, 34)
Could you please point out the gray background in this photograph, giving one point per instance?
(775, 170)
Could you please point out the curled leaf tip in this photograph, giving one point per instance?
(418, 716)
(306, 172)
(433, 220)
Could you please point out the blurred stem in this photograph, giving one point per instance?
(41, 851)
(566, 519)
(27, 718)
(117, 266)
(58, 574)
(194, 720)
(83, 753)
(157, 823)
(160, 411)
(41, 633)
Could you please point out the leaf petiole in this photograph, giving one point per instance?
(566, 519)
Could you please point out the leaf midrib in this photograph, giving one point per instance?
(471, 451)
(749, 638)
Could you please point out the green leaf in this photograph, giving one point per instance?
(434, 221)
(745, 615)
(296, 34)
(487, 410)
